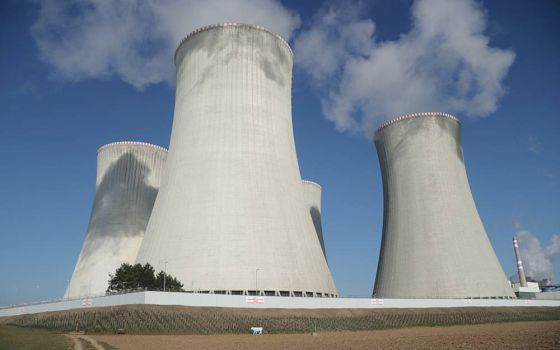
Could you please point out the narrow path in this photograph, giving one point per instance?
(92, 343)
(77, 343)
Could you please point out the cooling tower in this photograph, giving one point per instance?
(128, 178)
(312, 194)
(434, 244)
(230, 216)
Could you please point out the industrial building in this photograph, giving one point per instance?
(231, 215)
(128, 179)
(433, 243)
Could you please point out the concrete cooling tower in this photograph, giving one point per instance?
(434, 244)
(128, 178)
(312, 194)
(231, 215)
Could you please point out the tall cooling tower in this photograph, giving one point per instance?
(128, 179)
(434, 244)
(312, 194)
(230, 216)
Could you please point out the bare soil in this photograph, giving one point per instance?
(518, 335)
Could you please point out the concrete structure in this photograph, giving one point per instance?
(261, 302)
(231, 216)
(312, 195)
(529, 291)
(128, 178)
(520, 271)
(434, 244)
(548, 296)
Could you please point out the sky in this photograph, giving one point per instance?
(76, 75)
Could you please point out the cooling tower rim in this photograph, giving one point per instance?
(311, 183)
(130, 143)
(230, 24)
(416, 115)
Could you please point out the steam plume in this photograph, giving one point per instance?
(135, 40)
(537, 260)
(445, 62)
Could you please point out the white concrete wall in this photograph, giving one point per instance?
(238, 301)
(434, 244)
(230, 214)
(128, 178)
(548, 296)
(79, 303)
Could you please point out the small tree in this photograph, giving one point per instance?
(171, 283)
(129, 276)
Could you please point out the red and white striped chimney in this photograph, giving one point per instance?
(522, 279)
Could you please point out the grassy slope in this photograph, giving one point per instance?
(154, 319)
(13, 338)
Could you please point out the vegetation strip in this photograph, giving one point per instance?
(155, 319)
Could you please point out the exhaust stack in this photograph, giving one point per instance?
(520, 272)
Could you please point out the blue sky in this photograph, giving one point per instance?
(59, 103)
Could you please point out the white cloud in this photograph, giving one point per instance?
(534, 145)
(537, 260)
(444, 63)
(135, 40)
(336, 36)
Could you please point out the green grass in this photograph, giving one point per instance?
(153, 319)
(14, 338)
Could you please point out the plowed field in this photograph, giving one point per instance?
(518, 335)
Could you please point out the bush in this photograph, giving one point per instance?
(129, 276)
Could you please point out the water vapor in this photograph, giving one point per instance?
(135, 40)
(538, 259)
(445, 62)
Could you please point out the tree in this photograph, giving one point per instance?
(172, 284)
(129, 276)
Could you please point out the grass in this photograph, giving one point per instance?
(154, 319)
(106, 345)
(14, 338)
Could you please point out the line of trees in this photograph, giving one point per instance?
(129, 276)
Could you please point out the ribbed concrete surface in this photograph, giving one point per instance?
(230, 215)
(128, 179)
(434, 244)
(312, 195)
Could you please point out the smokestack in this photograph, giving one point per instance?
(231, 215)
(520, 272)
(434, 244)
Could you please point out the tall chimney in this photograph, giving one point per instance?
(522, 279)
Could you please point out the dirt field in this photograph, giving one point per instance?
(520, 335)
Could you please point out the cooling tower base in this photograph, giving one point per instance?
(274, 293)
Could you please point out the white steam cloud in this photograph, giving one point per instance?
(537, 260)
(135, 39)
(444, 63)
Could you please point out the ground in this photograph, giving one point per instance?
(517, 335)
(13, 338)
